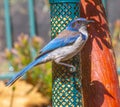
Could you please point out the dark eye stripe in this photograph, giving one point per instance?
(73, 24)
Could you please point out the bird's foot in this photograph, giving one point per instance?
(72, 69)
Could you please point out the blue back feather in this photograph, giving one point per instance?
(59, 42)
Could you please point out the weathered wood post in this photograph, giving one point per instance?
(99, 74)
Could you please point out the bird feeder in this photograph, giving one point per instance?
(66, 86)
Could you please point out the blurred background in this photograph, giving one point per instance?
(25, 24)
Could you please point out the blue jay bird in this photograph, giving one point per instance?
(66, 45)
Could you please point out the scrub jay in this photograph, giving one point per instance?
(66, 45)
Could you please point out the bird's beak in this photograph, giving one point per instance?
(90, 21)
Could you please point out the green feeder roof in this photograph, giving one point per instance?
(58, 1)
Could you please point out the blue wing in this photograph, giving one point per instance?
(59, 42)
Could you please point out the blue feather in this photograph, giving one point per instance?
(23, 71)
(59, 42)
(71, 29)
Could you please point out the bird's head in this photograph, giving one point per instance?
(78, 24)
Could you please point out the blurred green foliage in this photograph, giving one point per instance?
(116, 41)
(116, 33)
(20, 56)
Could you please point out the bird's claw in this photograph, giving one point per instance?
(72, 69)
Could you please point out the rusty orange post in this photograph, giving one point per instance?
(99, 74)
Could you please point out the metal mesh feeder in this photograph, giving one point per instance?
(66, 89)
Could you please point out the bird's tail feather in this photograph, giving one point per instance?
(23, 71)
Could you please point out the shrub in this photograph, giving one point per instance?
(22, 54)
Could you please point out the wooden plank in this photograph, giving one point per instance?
(99, 73)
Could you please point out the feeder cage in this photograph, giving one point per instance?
(66, 86)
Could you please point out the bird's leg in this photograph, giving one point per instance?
(73, 69)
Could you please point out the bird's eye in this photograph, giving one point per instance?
(78, 22)
(73, 25)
